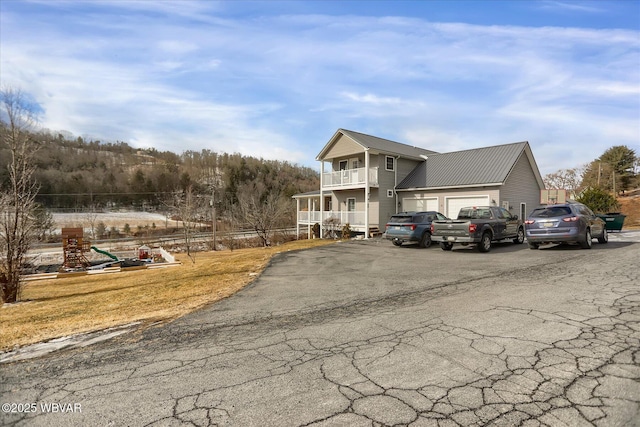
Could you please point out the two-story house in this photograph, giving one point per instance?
(366, 179)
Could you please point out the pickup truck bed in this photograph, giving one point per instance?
(480, 225)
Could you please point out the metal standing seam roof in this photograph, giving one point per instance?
(383, 145)
(487, 165)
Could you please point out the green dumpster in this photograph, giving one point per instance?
(613, 220)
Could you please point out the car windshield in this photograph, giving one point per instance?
(401, 219)
(550, 212)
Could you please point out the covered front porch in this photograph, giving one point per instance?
(331, 215)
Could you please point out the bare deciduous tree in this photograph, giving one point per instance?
(189, 208)
(92, 216)
(44, 223)
(261, 209)
(17, 194)
(564, 179)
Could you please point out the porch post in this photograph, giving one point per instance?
(321, 197)
(297, 218)
(366, 194)
(309, 218)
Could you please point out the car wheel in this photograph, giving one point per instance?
(446, 246)
(425, 240)
(605, 236)
(534, 245)
(520, 238)
(586, 244)
(485, 242)
(397, 242)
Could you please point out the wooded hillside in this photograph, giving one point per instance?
(74, 173)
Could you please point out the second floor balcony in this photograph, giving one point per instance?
(352, 178)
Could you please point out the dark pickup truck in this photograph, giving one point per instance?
(480, 225)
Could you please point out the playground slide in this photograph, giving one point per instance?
(100, 251)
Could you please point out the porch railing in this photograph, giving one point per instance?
(350, 177)
(306, 217)
(353, 218)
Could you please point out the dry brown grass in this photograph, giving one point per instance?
(61, 307)
(630, 206)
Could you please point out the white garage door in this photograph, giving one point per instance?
(454, 204)
(418, 205)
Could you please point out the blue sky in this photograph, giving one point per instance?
(277, 79)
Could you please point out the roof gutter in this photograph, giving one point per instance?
(490, 184)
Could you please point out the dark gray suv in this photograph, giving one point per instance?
(570, 222)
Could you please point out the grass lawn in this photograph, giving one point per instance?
(60, 307)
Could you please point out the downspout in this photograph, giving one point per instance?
(395, 184)
(425, 175)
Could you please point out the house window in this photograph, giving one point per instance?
(389, 193)
(390, 163)
(342, 165)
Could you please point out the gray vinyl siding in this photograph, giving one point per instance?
(387, 206)
(374, 207)
(521, 186)
(341, 197)
(387, 181)
(405, 166)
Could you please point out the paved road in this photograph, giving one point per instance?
(367, 334)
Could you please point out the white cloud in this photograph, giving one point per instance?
(371, 99)
(435, 139)
(262, 85)
(572, 7)
(614, 88)
(177, 47)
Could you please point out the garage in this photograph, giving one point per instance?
(417, 205)
(454, 204)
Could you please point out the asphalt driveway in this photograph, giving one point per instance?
(368, 334)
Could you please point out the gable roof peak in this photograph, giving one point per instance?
(374, 143)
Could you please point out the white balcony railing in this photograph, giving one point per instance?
(350, 178)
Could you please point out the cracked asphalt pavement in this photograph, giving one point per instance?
(368, 334)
